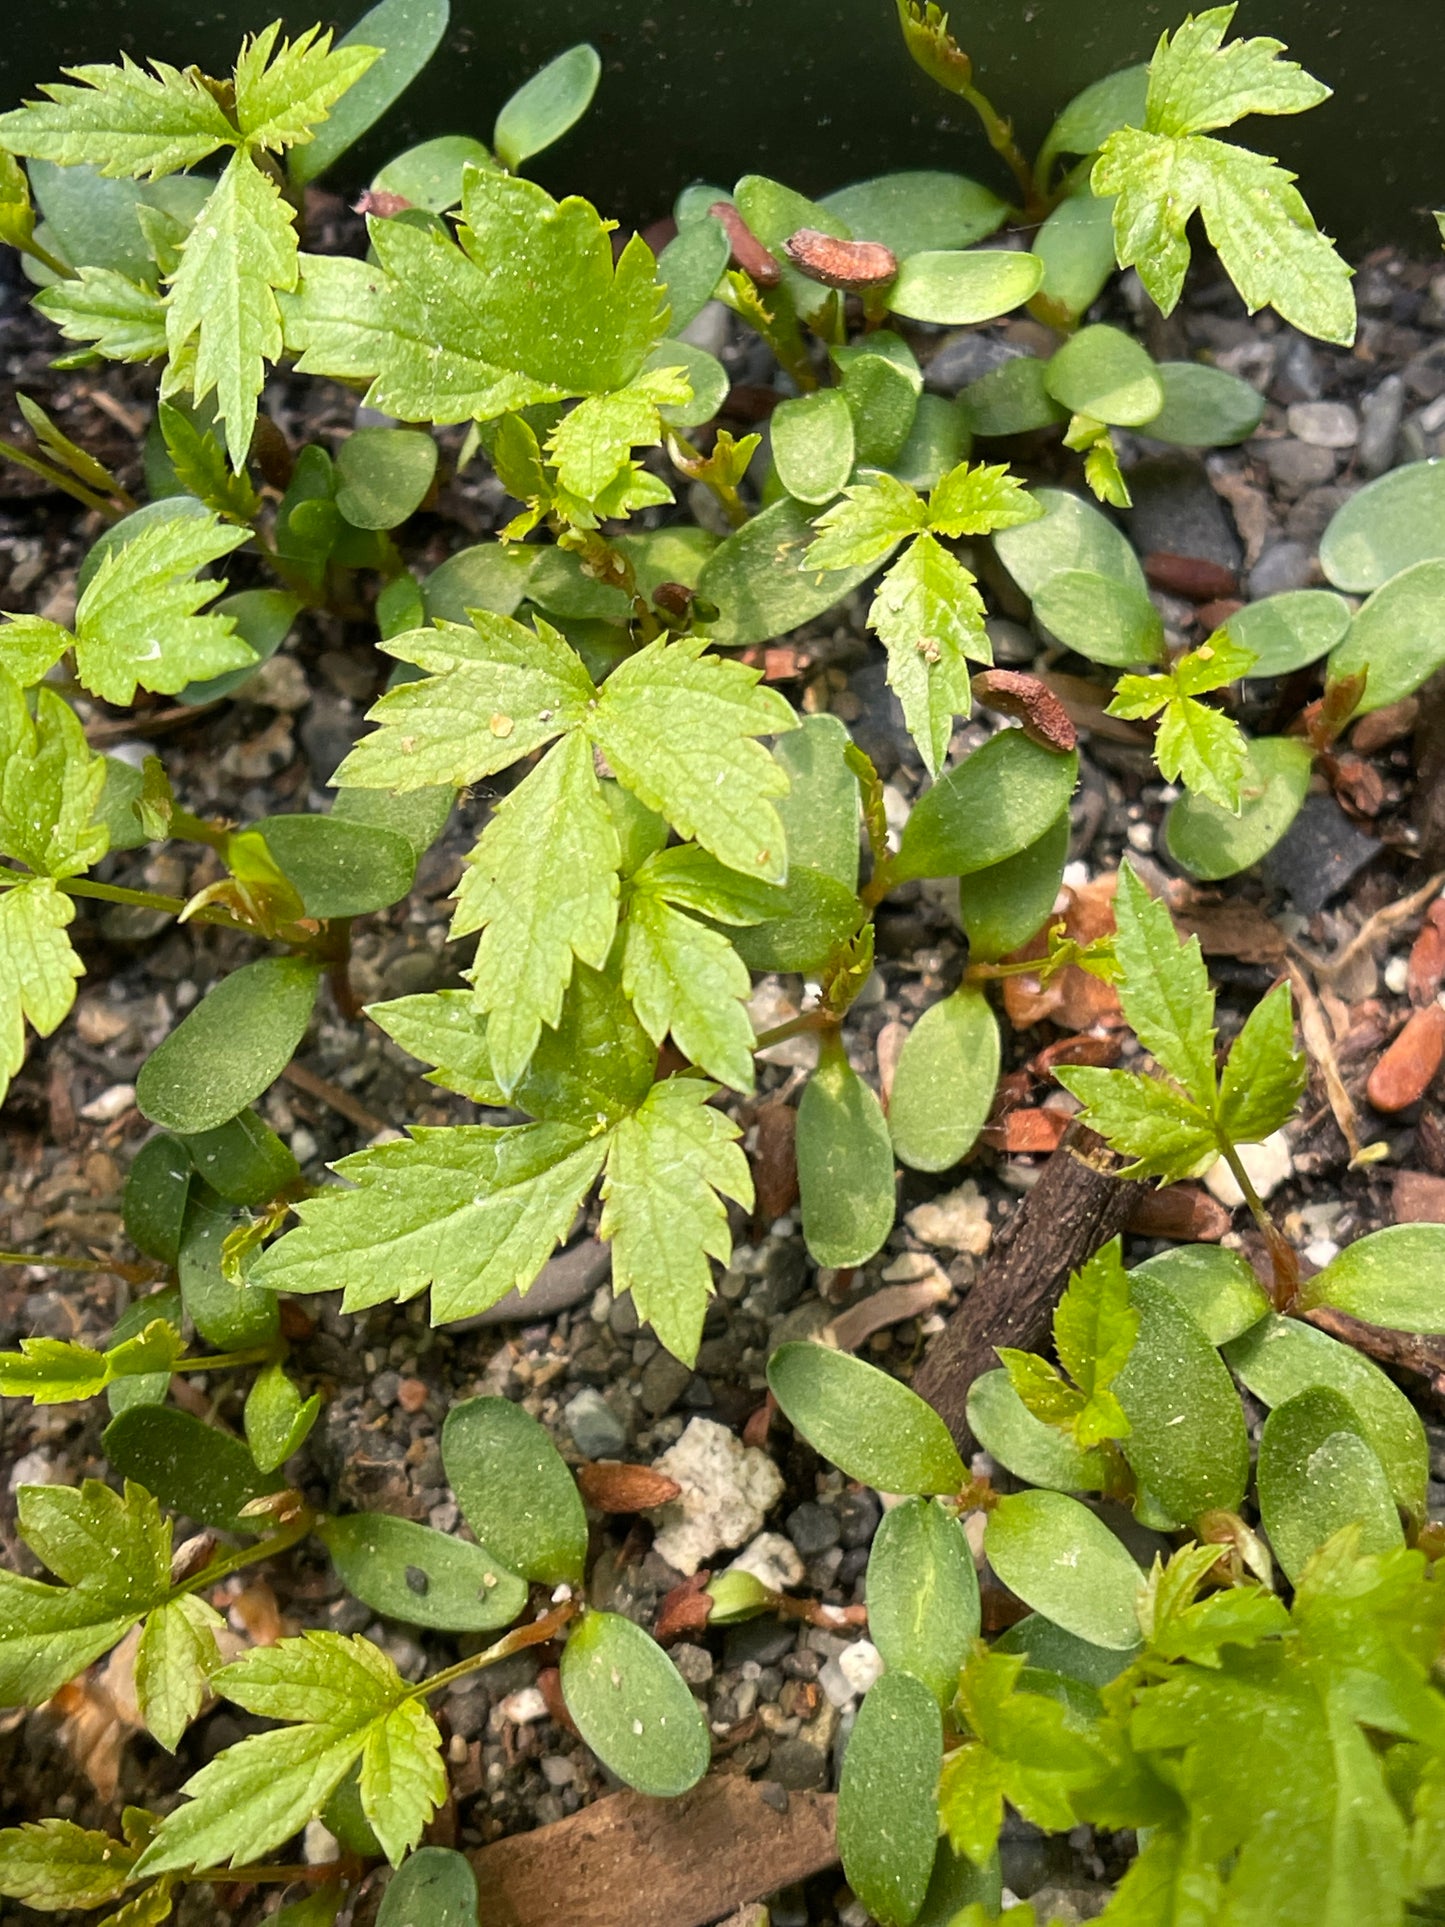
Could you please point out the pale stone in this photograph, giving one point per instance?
(727, 1488)
(1267, 1166)
(958, 1220)
(773, 1561)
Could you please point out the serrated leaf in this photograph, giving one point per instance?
(202, 469)
(687, 979)
(866, 526)
(38, 967)
(111, 1552)
(592, 444)
(887, 1798)
(1168, 1136)
(349, 1703)
(137, 623)
(669, 1167)
(1195, 744)
(52, 1865)
(542, 887)
(493, 693)
(1264, 1076)
(1257, 220)
(123, 120)
(283, 92)
(1196, 83)
(176, 1656)
(979, 500)
(704, 772)
(928, 615)
(222, 316)
(515, 1490)
(120, 318)
(871, 1426)
(54, 1371)
(1164, 988)
(472, 1211)
(50, 785)
(528, 308)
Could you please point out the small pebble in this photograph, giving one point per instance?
(1324, 424)
(1267, 1165)
(411, 1395)
(110, 1105)
(524, 1706)
(1406, 1069)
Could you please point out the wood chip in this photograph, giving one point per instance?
(630, 1861)
(890, 1306)
(612, 1486)
(1427, 957)
(1407, 1069)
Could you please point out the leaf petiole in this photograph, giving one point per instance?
(516, 1641)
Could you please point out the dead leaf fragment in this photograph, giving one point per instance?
(612, 1486)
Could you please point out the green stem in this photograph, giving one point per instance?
(316, 1876)
(132, 1274)
(520, 1637)
(999, 131)
(691, 461)
(57, 478)
(1284, 1289)
(810, 1020)
(194, 829)
(223, 1361)
(230, 1562)
(38, 252)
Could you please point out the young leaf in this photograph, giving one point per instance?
(1165, 171)
(472, 1211)
(283, 93)
(669, 1167)
(137, 622)
(123, 120)
(633, 1707)
(944, 1083)
(492, 693)
(54, 1371)
(1196, 744)
(544, 107)
(435, 1885)
(53, 1865)
(1164, 988)
(980, 500)
(929, 617)
(703, 772)
(869, 1425)
(1067, 1565)
(38, 967)
(529, 308)
(687, 979)
(222, 318)
(1031, 1448)
(231, 1047)
(425, 1578)
(1023, 1749)
(866, 527)
(347, 1703)
(1391, 1277)
(50, 785)
(1187, 1440)
(887, 1798)
(514, 1489)
(1094, 1332)
(1264, 1075)
(276, 1418)
(845, 1163)
(113, 1555)
(923, 1604)
(176, 1657)
(553, 825)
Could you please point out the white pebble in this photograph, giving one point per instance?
(1397, 975)
(110, 1105)
(523, 1706)
(772, 1560)
(727, 1490)
(861, 1664)
(1267, 1166)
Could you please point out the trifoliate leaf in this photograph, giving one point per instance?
(687, 979)
(528, 308)
(1164, 988)
(978, 500)
(176, 1657)
(282, 93)
(113, 1555)
(1196, 83)
(38, 967)
(866, 526)
(53, 1371)
(668, 1170)
(1195, 744)
(471, 1211)
(1166, 171)
(492, 694)
(1167, 1135)
(222, 308)
(349, 1704)
(929, 617)
(53, 1865)
(1264, 1076)
(120, 318)
(123, 120)
(593, 443)
(541, 885)
(137, 624)
(701, 769)
(50, 784)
